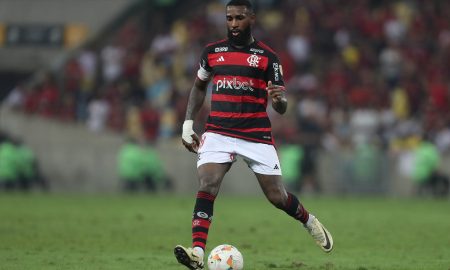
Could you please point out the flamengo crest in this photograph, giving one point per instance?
(253, 60)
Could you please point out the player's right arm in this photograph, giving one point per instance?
(196, 98)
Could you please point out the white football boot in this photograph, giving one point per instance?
(189, 257)
(321, 235)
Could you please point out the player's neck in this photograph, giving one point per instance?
(249, 41)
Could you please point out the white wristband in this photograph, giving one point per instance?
(188, 131)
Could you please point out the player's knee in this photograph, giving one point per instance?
(210, 184)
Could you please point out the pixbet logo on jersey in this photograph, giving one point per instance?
(234, 84)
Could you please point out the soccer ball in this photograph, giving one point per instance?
(225, 257)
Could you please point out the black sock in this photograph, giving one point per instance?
(295, 209)
(201, 219)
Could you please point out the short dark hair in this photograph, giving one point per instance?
(245, 3)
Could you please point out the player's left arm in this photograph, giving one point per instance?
(279, 100)
(275, 86)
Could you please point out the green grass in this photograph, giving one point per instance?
(139, 232)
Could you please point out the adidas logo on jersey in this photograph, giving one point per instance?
(221, 59)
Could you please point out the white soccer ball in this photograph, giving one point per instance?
(225, 257)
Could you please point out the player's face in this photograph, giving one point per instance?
(239, 22)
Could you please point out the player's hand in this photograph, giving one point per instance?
(189, 137)
(276, 92)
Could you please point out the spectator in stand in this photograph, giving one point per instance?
(88, 61)
(391, 62)
(98, 110)
(73, 78)
(49, 94)
(133, 123)
(112, 57)
(16, 98)
(150, 120)
(116, 93)
(31, 100)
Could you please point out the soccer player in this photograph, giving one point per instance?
(245, 74)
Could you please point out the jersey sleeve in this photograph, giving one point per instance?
(275, 71)
(204, 72)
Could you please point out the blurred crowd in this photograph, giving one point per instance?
(358, 73)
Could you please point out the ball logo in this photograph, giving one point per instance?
(253, 60)
(234, 84)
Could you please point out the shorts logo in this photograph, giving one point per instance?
(253, 60)
(276, 167)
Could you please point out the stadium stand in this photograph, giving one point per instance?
(367, 81)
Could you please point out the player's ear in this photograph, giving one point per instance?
(252, 18)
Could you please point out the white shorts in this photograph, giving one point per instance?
(260, 157)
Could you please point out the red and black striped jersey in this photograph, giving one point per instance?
(239, 96)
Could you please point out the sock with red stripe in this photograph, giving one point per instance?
(295, 209)
(202, 217)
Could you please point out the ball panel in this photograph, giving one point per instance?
(225, 257)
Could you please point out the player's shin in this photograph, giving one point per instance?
(295, 209)
(201, 220)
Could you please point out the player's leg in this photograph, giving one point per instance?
(263, 160)
(275, 192)
(210, 178)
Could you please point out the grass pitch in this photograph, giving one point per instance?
(139, 232)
